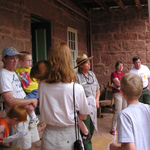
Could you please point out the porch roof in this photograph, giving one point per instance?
(110, 4)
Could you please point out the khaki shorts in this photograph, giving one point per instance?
(55, 138)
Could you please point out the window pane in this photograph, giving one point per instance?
(72, 43)
(73, 36)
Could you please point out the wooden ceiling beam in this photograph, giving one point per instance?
(120, 4)
(138, 4)
(102, 4)
(84, 1)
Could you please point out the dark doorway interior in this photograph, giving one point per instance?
(41, 38)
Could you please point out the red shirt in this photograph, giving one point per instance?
(116, 75)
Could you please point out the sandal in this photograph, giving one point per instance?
(86, 137)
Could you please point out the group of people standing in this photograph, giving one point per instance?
(55, 77)
(139, 69)
(133, 122)
(57, 81)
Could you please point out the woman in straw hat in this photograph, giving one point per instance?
(56, 99)
(88, 80)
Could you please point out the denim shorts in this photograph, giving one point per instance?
(33, 94)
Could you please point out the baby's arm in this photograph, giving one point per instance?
(29, 108)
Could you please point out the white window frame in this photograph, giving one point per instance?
(73, 44)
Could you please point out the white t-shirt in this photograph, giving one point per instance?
(134, 125)
(9, 81)
(56, 103)
(143, 72)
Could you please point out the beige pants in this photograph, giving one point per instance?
(120, 104)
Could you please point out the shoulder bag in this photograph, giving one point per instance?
(78, 142)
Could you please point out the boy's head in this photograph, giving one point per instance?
(132, 86)
(25, 59)
(17, 114)
(39, 70)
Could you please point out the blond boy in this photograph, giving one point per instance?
(134, 121)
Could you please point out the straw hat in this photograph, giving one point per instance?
(81, 59)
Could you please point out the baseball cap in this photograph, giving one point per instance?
(10, 51)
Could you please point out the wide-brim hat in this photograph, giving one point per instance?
(81, 59)
(10, 51)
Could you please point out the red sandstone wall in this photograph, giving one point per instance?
(15, 22)
(119, 35)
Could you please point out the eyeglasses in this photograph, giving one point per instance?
(88, 78)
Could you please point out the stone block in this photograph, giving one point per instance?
(113, 46)
(125, 36)
(141, 54)
(133, 45)
(98, 47)
(109, 58)
(27, 45)
(107, 28)
(26, 25)
(133, 26)
(103, 78)
(148, 46)
(102, 37)
(144, 36)
(59, 33)
(4, 30)
(148, 56)
(14, 22)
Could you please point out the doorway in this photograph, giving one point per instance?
(41, 38)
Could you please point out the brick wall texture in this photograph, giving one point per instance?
(116, 35)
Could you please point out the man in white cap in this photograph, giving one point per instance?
(12, 94)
